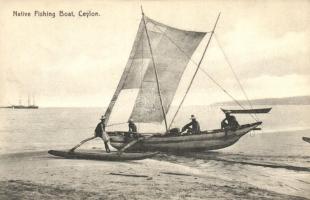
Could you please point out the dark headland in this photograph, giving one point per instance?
(296, 100)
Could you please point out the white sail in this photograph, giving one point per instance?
(137, 89)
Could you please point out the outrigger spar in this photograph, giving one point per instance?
(158, 58)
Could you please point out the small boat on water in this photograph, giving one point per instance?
(147, 87)
(306, 139)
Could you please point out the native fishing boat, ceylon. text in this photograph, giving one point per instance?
(158, 58)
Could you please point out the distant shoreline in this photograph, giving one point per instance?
(298, 100)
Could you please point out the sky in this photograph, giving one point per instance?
(78, 61)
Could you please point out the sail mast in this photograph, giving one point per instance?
(198, 66)
(155, 70)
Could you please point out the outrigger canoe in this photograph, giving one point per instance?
(158, 60)
(113, 156)
(206, 140)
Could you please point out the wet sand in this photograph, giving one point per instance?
(37, 175)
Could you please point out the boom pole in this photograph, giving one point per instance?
(198, 66)
(156, 74)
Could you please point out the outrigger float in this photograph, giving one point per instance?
(113, 156)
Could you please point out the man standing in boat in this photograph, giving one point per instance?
(230, 122)
(192, 127)
(99, 132)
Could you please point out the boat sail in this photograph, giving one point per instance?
(139, 80)
(158, 58)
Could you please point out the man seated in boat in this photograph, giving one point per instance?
(230, 122)
(132, 130)
(193, 127)
(99, 132)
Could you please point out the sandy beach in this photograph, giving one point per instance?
(272, 164)
(37, 175)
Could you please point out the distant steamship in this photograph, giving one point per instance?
(21, 106)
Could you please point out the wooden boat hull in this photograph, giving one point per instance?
(306, 139)
(113, 156)
(212, 140)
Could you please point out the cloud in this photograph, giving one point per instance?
(279, 86)
(255, 53)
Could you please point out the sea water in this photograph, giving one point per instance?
(275, 158)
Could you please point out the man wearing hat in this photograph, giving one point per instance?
(192, 127)
(230, 122)
(132, 127)
(132, 130)
(99, 132)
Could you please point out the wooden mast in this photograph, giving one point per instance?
(156, 74)
(198, 66)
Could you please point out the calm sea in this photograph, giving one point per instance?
(275, 158)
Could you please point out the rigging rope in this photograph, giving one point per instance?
(115, 124)
(198, 66)
(208, 75)
(234, 73)
(235, 100)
